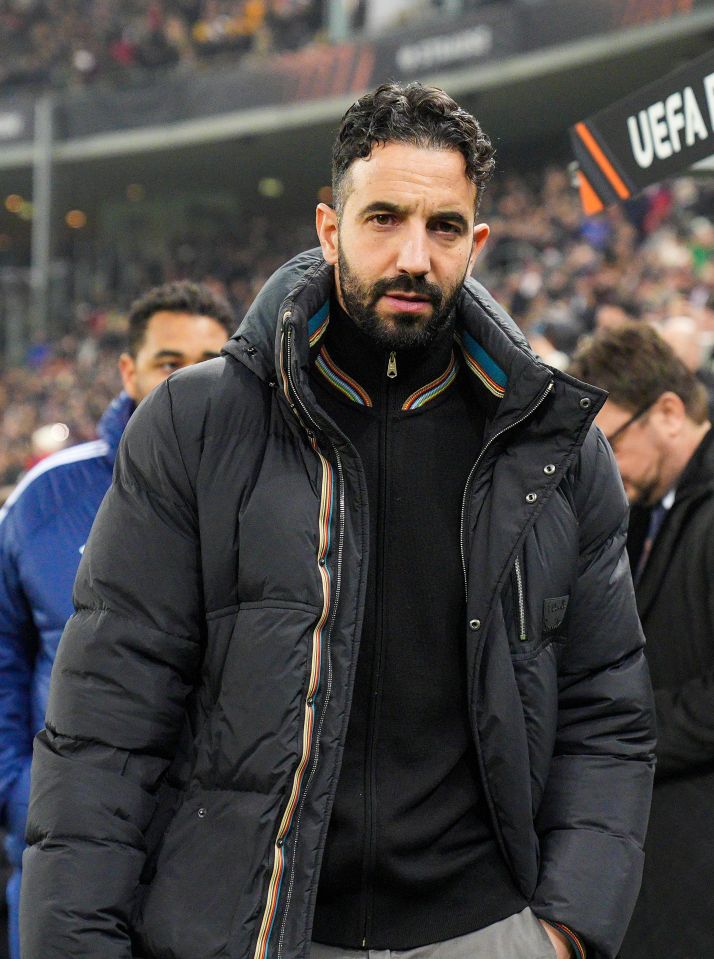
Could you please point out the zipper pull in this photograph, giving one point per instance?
(392, 366)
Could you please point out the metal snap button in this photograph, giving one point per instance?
(322, 561)
(549, 469)
(585, 403)
(531, 497)
(201, 813)
(279, 842)
(475, 624)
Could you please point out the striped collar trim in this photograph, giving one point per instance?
(340, 380)
(483, 365)
(318, 323)
(431, 390)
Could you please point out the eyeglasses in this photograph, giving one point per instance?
(613, 437)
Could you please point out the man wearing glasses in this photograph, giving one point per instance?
(656, 420)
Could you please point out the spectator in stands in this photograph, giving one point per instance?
(44, 526)
(657, 421)
(486, 761)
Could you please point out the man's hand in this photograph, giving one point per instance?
(560, 943)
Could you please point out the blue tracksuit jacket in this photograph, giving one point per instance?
(43, 528)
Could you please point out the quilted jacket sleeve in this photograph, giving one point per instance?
(126, 663)
(593, 817)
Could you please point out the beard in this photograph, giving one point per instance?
(403, 331)
(642, 494)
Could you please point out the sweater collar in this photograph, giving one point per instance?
(350, 362)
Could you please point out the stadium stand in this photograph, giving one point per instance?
(59, 43)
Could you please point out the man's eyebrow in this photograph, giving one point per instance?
(168, 354)
(384, 206)
(178, 354)
(453, 216)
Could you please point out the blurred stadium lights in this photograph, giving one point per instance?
(75, 219)
(135, 193)
(271, 187)
(14, 203)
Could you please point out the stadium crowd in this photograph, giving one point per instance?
(71, 43)
(560, 274)
(61, 43)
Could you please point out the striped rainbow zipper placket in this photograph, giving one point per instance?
(292, 816)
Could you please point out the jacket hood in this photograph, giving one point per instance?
(114, 420)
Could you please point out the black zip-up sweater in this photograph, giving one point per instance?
(411, 858)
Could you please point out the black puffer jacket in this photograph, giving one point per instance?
(183, 785)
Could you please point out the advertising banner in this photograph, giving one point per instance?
(657, 132)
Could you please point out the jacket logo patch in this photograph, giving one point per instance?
(554, 612)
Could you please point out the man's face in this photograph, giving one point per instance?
(641, 450)
(171, 341)
(404, 242)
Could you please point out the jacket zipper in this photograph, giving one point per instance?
(521, 601)
(487, 445)
(370, 785)
(273, 895)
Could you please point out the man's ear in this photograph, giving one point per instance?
(670, 411)
(326, 225)
(481, 232)
(127, 371)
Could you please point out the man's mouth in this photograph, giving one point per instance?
(407, 302)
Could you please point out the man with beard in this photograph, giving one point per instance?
(356, 669)
(45, 524)
(657, 421)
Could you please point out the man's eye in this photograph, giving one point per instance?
(170, 366)
(444, 226)
(383, 219)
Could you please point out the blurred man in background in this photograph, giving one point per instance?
(657, 421)
(44, 526)
(693, 347)
(356, 658)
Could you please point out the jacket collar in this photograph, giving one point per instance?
(698, 475)
(503, 363)
(696, 482)
(113, 422)
(351, 364)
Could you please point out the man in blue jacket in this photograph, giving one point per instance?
(45, 524)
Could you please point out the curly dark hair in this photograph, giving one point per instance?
(416, 114)
(181, 296)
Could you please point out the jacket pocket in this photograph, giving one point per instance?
(522, 609)
(519, 600)
(208, 874)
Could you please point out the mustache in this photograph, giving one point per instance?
(407, 284)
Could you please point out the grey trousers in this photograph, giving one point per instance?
(518, 937)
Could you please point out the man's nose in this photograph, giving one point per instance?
(414, 257)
